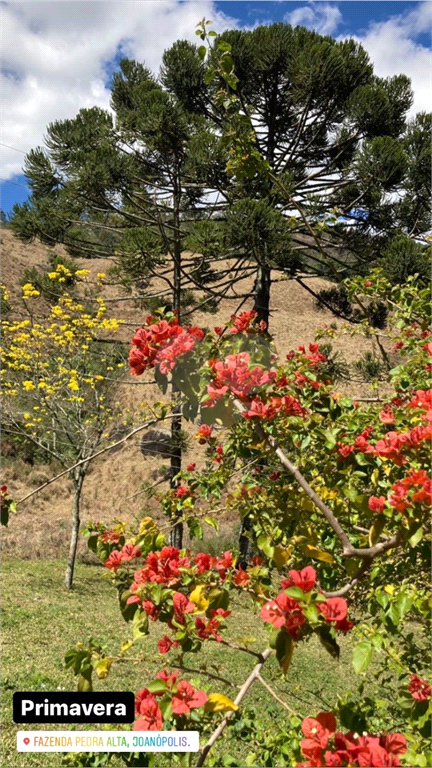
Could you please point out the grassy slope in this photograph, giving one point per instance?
(41, 621)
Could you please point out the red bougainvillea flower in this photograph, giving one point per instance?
(204, 433)
(220, 612)
(242, 323)
(318, 731)
(227, 561)
(305, 579)
(110, 536)
(284, 611)
(241, 578)
(377, 503)
(345, 625)
(334, 609)
(161, 343)
(165, 644)
(272, 614)
(204, 562)
(161, 567)
(143, 694)
(210, 629)
(168, 679)
(182, 490)
(234, 374)
(415, 487)
(187, 698)
(182, 605)
(114, 561)
(419, 689)
(387, 415)
(150, 608)
(350, 749)
(130, 552)
(345, 450)
(151, 716)
(423, 400)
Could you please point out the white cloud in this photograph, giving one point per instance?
(55, 53)
(54, 57)
(393, 50)
(322, 17)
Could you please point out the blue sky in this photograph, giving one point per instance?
(59, 56)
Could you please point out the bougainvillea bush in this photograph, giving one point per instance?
(337, 494)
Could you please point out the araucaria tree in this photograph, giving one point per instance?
(58, 386)
(123, 185)
(326, 171)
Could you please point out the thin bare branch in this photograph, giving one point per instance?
(239, 698)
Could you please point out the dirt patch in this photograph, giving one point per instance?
(113, 487)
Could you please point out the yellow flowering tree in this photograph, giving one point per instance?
(59, 377)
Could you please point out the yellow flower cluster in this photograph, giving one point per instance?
(29, 291)
(47, 366)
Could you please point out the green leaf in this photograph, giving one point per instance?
(140, 625)
(265, 545)
(102, 668)
(156, 686)
(295, 592)
(312, 614)
(416, 537)
(4, 514)
(218, 598)
(362, 656)
(393, 614)
(161, 380)
(211, 521)
(85, 679)
(202, 50)
(227, 64)
(127, 611)
(284, 649)
(327, 640)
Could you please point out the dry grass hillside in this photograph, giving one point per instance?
(112, 488)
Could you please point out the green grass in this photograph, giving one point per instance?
(41, 620)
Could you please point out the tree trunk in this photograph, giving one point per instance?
(262, 294)
(262, 307)
(78, 481)
(244, 542)
(176, 535)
